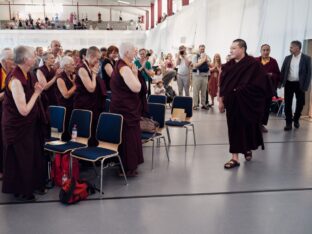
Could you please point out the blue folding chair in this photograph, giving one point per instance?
(157, 112)
(185, 103)
(82, 119)
(109, 135)
(157, 99)
(57, 122)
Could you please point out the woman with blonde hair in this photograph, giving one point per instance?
(215, 70)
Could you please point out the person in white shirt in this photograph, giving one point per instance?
(296, 78)
(183, 74)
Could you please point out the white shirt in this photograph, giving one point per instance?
(294, 68)
(183, 69)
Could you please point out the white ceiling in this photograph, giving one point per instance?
(113, 2)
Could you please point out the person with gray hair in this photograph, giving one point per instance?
(296, 78)
(24, 166)
(91, 91)
(6, 65)
(66, 88)
(129, 100)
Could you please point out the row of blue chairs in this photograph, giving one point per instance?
(108, 134)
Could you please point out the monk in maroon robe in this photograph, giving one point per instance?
(23, 153)
(128, 95)
(6, 65)
(47, 76)
(66, 88)
(243, 91)
(270, 66)
(90, 89)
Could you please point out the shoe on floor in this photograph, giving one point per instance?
(288, 127)
(195, 108)
(296, 124)
(25, 198)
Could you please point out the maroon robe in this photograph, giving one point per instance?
(1, 144)
(94, 101)
(66, 102)
(24, 165)
(51, 92)
(270, 67)
(130, 105)
(244, 88)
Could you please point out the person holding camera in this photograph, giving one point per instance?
(200, 78)
(183, 77)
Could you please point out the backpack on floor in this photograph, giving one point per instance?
(74, 191)
(60, 166)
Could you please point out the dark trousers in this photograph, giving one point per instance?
(292, 88)
(266, 113)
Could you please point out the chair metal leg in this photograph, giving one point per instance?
(94, 167)
(194, 134)
(153, 153)
(158, 142)
(101, 179)
(168, 134)
(166, 147)
(122, 169)
(186, 134)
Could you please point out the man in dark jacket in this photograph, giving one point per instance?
(296, 78)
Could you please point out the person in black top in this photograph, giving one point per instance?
(108, 64)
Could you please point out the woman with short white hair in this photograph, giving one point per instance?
(129, 99)
(66, 88)
(23, 152)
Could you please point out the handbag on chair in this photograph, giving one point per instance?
(148, 125)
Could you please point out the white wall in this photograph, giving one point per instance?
(70, 39)
(217, 23)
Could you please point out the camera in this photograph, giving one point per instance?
(182, 52)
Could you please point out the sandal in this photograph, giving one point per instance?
(231, 164)
(248, 155)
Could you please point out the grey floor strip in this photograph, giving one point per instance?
(173, 195)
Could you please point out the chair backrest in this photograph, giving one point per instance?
(83, 120)
(109, 128)
(157, 111)
(107, 105)
(185, 103)
(157, 99)
(57, 119)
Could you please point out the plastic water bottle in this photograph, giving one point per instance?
(64, 178)
(74, 133)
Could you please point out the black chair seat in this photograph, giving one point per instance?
(148, 135)
(177, 123)
(63, 148)
(93, 153)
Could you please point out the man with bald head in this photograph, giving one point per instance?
(55, 50)
(6, 65)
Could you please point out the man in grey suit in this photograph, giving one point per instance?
(296, 77)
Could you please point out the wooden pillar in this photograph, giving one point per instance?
(169, 7)
(185, 2)
(152, 15)
(159, 11)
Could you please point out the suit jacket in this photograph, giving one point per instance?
(304, 71)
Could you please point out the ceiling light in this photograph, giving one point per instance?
(123, 2)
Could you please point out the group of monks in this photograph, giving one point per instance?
(26, 92)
